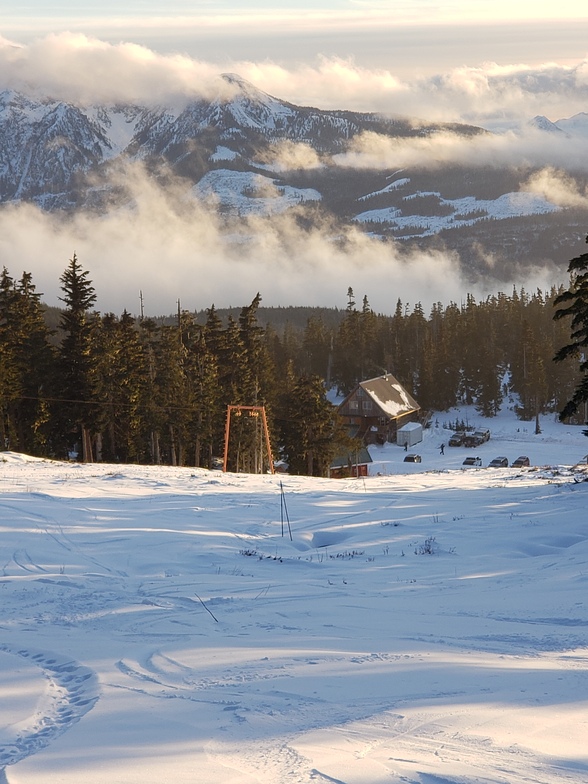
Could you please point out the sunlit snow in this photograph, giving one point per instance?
(423, 625)
(465, 212)
(250, 194)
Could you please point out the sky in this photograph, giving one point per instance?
(425, 624)
(409, 38)
(493, 64)
(404, 36)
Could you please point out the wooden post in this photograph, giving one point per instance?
(254, 411)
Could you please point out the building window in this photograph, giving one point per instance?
(353, 405)
(367, 405)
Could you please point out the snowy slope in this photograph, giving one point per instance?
(466, 211)
(575, 126)
(161, 624)
(246, 193)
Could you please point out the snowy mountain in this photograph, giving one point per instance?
(249, 153)
(575, 126)
(46, 146)
(542, 123)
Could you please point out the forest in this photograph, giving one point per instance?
(121, 388)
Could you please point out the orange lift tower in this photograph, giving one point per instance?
(253, 455)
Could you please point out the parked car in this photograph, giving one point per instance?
(483, 433)
(457, 439)
(472, 461)
(472, 439)
(521, 461)
(412, 459)
(498, 462)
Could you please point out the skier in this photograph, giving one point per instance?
(442, 449)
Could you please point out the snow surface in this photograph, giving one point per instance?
(393, 186)
(251, 194)
(224, 154)
(427, 626)
(119, 126)
(465, 212)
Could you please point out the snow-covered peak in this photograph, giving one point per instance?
(542, 123)
(577, 125)
(252, 108)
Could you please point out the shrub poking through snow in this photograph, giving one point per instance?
(428, 547)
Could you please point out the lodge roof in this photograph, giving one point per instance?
(389, 395)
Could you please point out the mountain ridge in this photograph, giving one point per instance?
(231, 151)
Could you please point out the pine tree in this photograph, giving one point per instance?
(575, 305)
(26, 361)
(120, 382)
(172, 390)
(208, 417)
(152, 414)
(317, 346)
(309, 428)
(348, 357)
(76, 412)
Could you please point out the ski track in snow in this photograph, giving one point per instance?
(71, 691)
(340, 657)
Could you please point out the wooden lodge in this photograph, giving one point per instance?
(377, 408)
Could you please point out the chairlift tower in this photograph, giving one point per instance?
(256, 448)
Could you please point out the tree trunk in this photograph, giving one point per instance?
(155, 452)
(86, 446)
(172, 446)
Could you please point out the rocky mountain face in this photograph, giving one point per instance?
(47, 147)
(62, 157)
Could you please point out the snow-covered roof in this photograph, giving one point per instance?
(358, 457)
(389, 394)
(410, 426)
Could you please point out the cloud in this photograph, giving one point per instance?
(170, 247)
(528, 148)
(558, 187)
(76, 67)
(287, 155)
(84, 70)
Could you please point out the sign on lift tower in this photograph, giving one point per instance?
(247, 441)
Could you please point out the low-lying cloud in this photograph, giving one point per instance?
(75, 67)
(558, 187)
(171, 248)
(526, 148)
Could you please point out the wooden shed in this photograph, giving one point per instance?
(410, 434)
(354, 463)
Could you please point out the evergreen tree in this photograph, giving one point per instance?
(574, 302)
(120, 382)
(317, 348)
(208, 417)
(152, 413)
(172, 390)
(76, 413)
(309, 428)
(10, 386)
(26, 361)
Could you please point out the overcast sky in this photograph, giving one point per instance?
(454, 60)
(495, 64)
(405, 36)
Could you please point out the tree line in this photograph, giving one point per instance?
(127, 389)
(122, 389)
